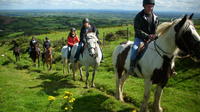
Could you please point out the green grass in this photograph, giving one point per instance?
(26, 88)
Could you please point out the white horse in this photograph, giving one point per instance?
(90, 57)
(64, 54)
(155, 66)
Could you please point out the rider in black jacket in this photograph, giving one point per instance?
(145, 25)
(86, 28)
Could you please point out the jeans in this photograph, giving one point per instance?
(134, 49)
(80, 44)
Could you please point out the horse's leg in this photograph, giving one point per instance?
(123, 79)
(93, 75)
(15, 57)
(118, 86)
(38, 61)
(51, 65)
(74, 71)
(64, 66)
(81, 73)
(147, 90)
(157, 98)
(87, 75)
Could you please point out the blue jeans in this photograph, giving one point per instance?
(80, 44)
(134, 49)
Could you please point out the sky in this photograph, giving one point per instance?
(161, 5)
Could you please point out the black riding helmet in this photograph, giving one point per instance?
(46, 38)
(145, 2)
(73, 29)
(86, 20)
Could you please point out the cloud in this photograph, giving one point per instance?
(161, 5)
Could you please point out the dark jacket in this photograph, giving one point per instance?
(47, 44)
(142, 27)
(32, 43)
(84, 32)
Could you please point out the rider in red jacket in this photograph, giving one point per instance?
(72, 38)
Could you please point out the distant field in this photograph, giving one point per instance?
(25, 88)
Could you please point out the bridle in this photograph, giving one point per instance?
(157, 47)
(90, 48)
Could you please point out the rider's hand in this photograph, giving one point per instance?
(152, 36)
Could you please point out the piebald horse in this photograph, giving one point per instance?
(155, 66)
(90, 57)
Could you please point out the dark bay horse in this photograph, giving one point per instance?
(35, 54)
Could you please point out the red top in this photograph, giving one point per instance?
(72, 40)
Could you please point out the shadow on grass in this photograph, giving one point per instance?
(53, 82)
(98, 103)
(89, 103)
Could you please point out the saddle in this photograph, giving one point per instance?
(141, 50)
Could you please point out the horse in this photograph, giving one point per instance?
(155, 66)
(35, 54)
(16, 52)
(90, 57)
(47, 58)
(64, 54)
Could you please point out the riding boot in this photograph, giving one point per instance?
(132, 66)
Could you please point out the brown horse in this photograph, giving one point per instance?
(35, 54)
(47, 58)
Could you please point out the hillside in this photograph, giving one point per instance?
(26, 88)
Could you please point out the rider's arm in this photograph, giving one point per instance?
(96, 31)
(138, 29)
(77, 39)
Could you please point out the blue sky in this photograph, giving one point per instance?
(161, 5)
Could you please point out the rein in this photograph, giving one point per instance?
(158, 47)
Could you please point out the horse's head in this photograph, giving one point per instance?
(91, 41)
(187, 38)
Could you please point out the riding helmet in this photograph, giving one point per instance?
(145, 2)
(86, 20)
(73, 29)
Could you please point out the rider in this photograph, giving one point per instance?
(86, 28)
(72, 39)
(145, 25)
(32, 43)
(46, 44)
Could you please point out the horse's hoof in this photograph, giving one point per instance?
(86, 87)
(93, 86)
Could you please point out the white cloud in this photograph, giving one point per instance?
(161, 5)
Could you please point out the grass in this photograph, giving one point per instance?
(26, 88)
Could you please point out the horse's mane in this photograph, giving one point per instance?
(165, 26)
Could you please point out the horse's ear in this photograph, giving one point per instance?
(190, 18)
(181, 23)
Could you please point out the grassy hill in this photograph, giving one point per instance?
(26, 88)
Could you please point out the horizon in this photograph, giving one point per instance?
(114, 10)
(127, 5)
